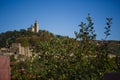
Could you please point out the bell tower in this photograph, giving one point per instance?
(36, 26)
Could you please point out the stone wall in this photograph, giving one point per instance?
(16, 48)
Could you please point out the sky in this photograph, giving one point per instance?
(61, 17)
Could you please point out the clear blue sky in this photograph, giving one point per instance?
(60, 16)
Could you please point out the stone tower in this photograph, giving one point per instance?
(36, 26)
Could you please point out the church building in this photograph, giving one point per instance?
(34, 28)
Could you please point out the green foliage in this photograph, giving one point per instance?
(86, 31)
(12, 59)
(23, 40)
(107, 32)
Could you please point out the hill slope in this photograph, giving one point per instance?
(32, 39)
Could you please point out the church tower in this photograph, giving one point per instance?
(36, 26)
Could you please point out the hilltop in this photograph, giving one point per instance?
(26, 38)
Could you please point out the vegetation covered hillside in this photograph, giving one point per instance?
(27, 38)
(24, 37)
